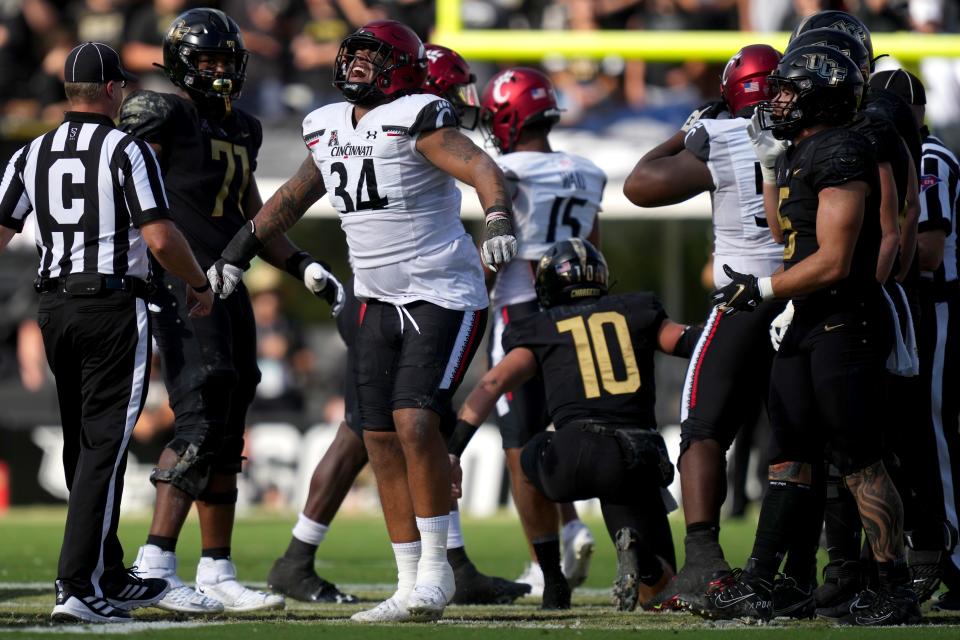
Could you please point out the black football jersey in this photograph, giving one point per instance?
(895, 109)
(596, 359)
(829, 158)
(887, 147)
(207, 165)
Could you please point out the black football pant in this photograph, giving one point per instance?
(99, 351)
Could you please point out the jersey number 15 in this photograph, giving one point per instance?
(597, 358)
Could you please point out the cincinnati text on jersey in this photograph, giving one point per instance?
(351, 150)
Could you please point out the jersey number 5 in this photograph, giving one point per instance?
(366, 182)
(598, 357)
(227, 151)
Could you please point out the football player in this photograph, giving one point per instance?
(832, 360)
(594, 353)
(208, 154)
(387, 157)
(729, 374)
(293, 574)
(556, 196)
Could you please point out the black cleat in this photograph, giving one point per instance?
(741, 596)
(704, 565)
(926, 570)
(790, 600)
(842, 582)
(891, 605)
(626, 588)
(129, 591)
(949, 601)
(474, 587)
(858, 602)
(298, 579)
(556, 594)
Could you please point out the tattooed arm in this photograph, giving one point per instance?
(452, 152)
(290, 202)
(276, 251)
(880, 510)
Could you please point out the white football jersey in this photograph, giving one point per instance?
(401, 214)
(556, 197)
(742, 236)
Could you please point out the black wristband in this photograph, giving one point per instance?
(202, 288)
(688, 341)
(297, 263)
(242, 247)
(460, 438)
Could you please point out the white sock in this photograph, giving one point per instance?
(454, 533)
(433, 555)
(309, 531)
(408, 558)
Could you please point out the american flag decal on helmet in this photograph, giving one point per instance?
(751, 86)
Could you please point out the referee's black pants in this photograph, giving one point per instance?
(99, 351)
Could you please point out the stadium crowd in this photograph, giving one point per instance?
(835, 274)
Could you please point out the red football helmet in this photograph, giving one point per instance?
(448, 76)
(398, 57)
(514, 99)
(744, 80)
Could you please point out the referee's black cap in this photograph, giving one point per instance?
(901, 82)
(94, 62)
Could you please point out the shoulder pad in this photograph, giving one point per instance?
(144, 114)
(437, 114)
(697, 141)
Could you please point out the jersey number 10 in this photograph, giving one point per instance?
(598, 357)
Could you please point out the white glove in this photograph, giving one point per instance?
(498, 250)
(224, 277)
(780, 324)
(324, 284)
(767, 148)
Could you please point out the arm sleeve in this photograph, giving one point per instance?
(436, 115)
(142, 185)
(849, 158)
(936, 210)
(697, 142)
(14, 202)
(145, 114)
(256, 133)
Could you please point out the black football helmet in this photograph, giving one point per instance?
(848, 44)
(570, 271)
(827, 88)
(209, 31)
(839, 21)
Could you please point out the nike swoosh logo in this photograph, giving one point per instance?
(720, 602)
(831, 327)
(740, 288)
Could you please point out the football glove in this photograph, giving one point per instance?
(227, 272)
(499, 244)
(742, 293)
(780, 325)
(224, 277)
(323, 284)
(708, 111)
(767, 148)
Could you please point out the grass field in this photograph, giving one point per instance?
(356, 555)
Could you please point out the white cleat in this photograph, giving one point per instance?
(217, 579)
(390, 610)
(578, 544)
(153, 562)
(533, 576)
(428, 600)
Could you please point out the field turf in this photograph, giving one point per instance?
(357, 556)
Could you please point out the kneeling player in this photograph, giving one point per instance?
(605, 444)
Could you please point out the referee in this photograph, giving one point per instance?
(100, 204)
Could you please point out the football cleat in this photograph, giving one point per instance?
(858, 602)
(298, 579)
(948, 601)
(790, 600)
(153, 562)
(427, 601)
(474, 587)
(556, 595)
(577, 549)
(626, 588)
(741, 596)
(890, 605)
(390, 610)
(532, 576)
(926, 569)
(130, 591)
(217, 579)
(842, 582)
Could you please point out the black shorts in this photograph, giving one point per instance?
(826, 390)
(412, 357)
(522, 413)
(728, 377)
(209, 369)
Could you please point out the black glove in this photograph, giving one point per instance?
(741, 294)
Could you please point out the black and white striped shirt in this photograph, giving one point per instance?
(92, 186)
(939, 197)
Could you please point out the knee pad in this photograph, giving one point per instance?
(218, 497)
(190, 473)
(645, 453)
(229, 456)
(693, 430)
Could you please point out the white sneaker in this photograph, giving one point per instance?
(428, 599)
(390, 610)
(87, 609)
(154, 562)
(217, 579)
(533, 576)
(578, 544)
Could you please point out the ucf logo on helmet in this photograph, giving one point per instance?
(825, 67)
